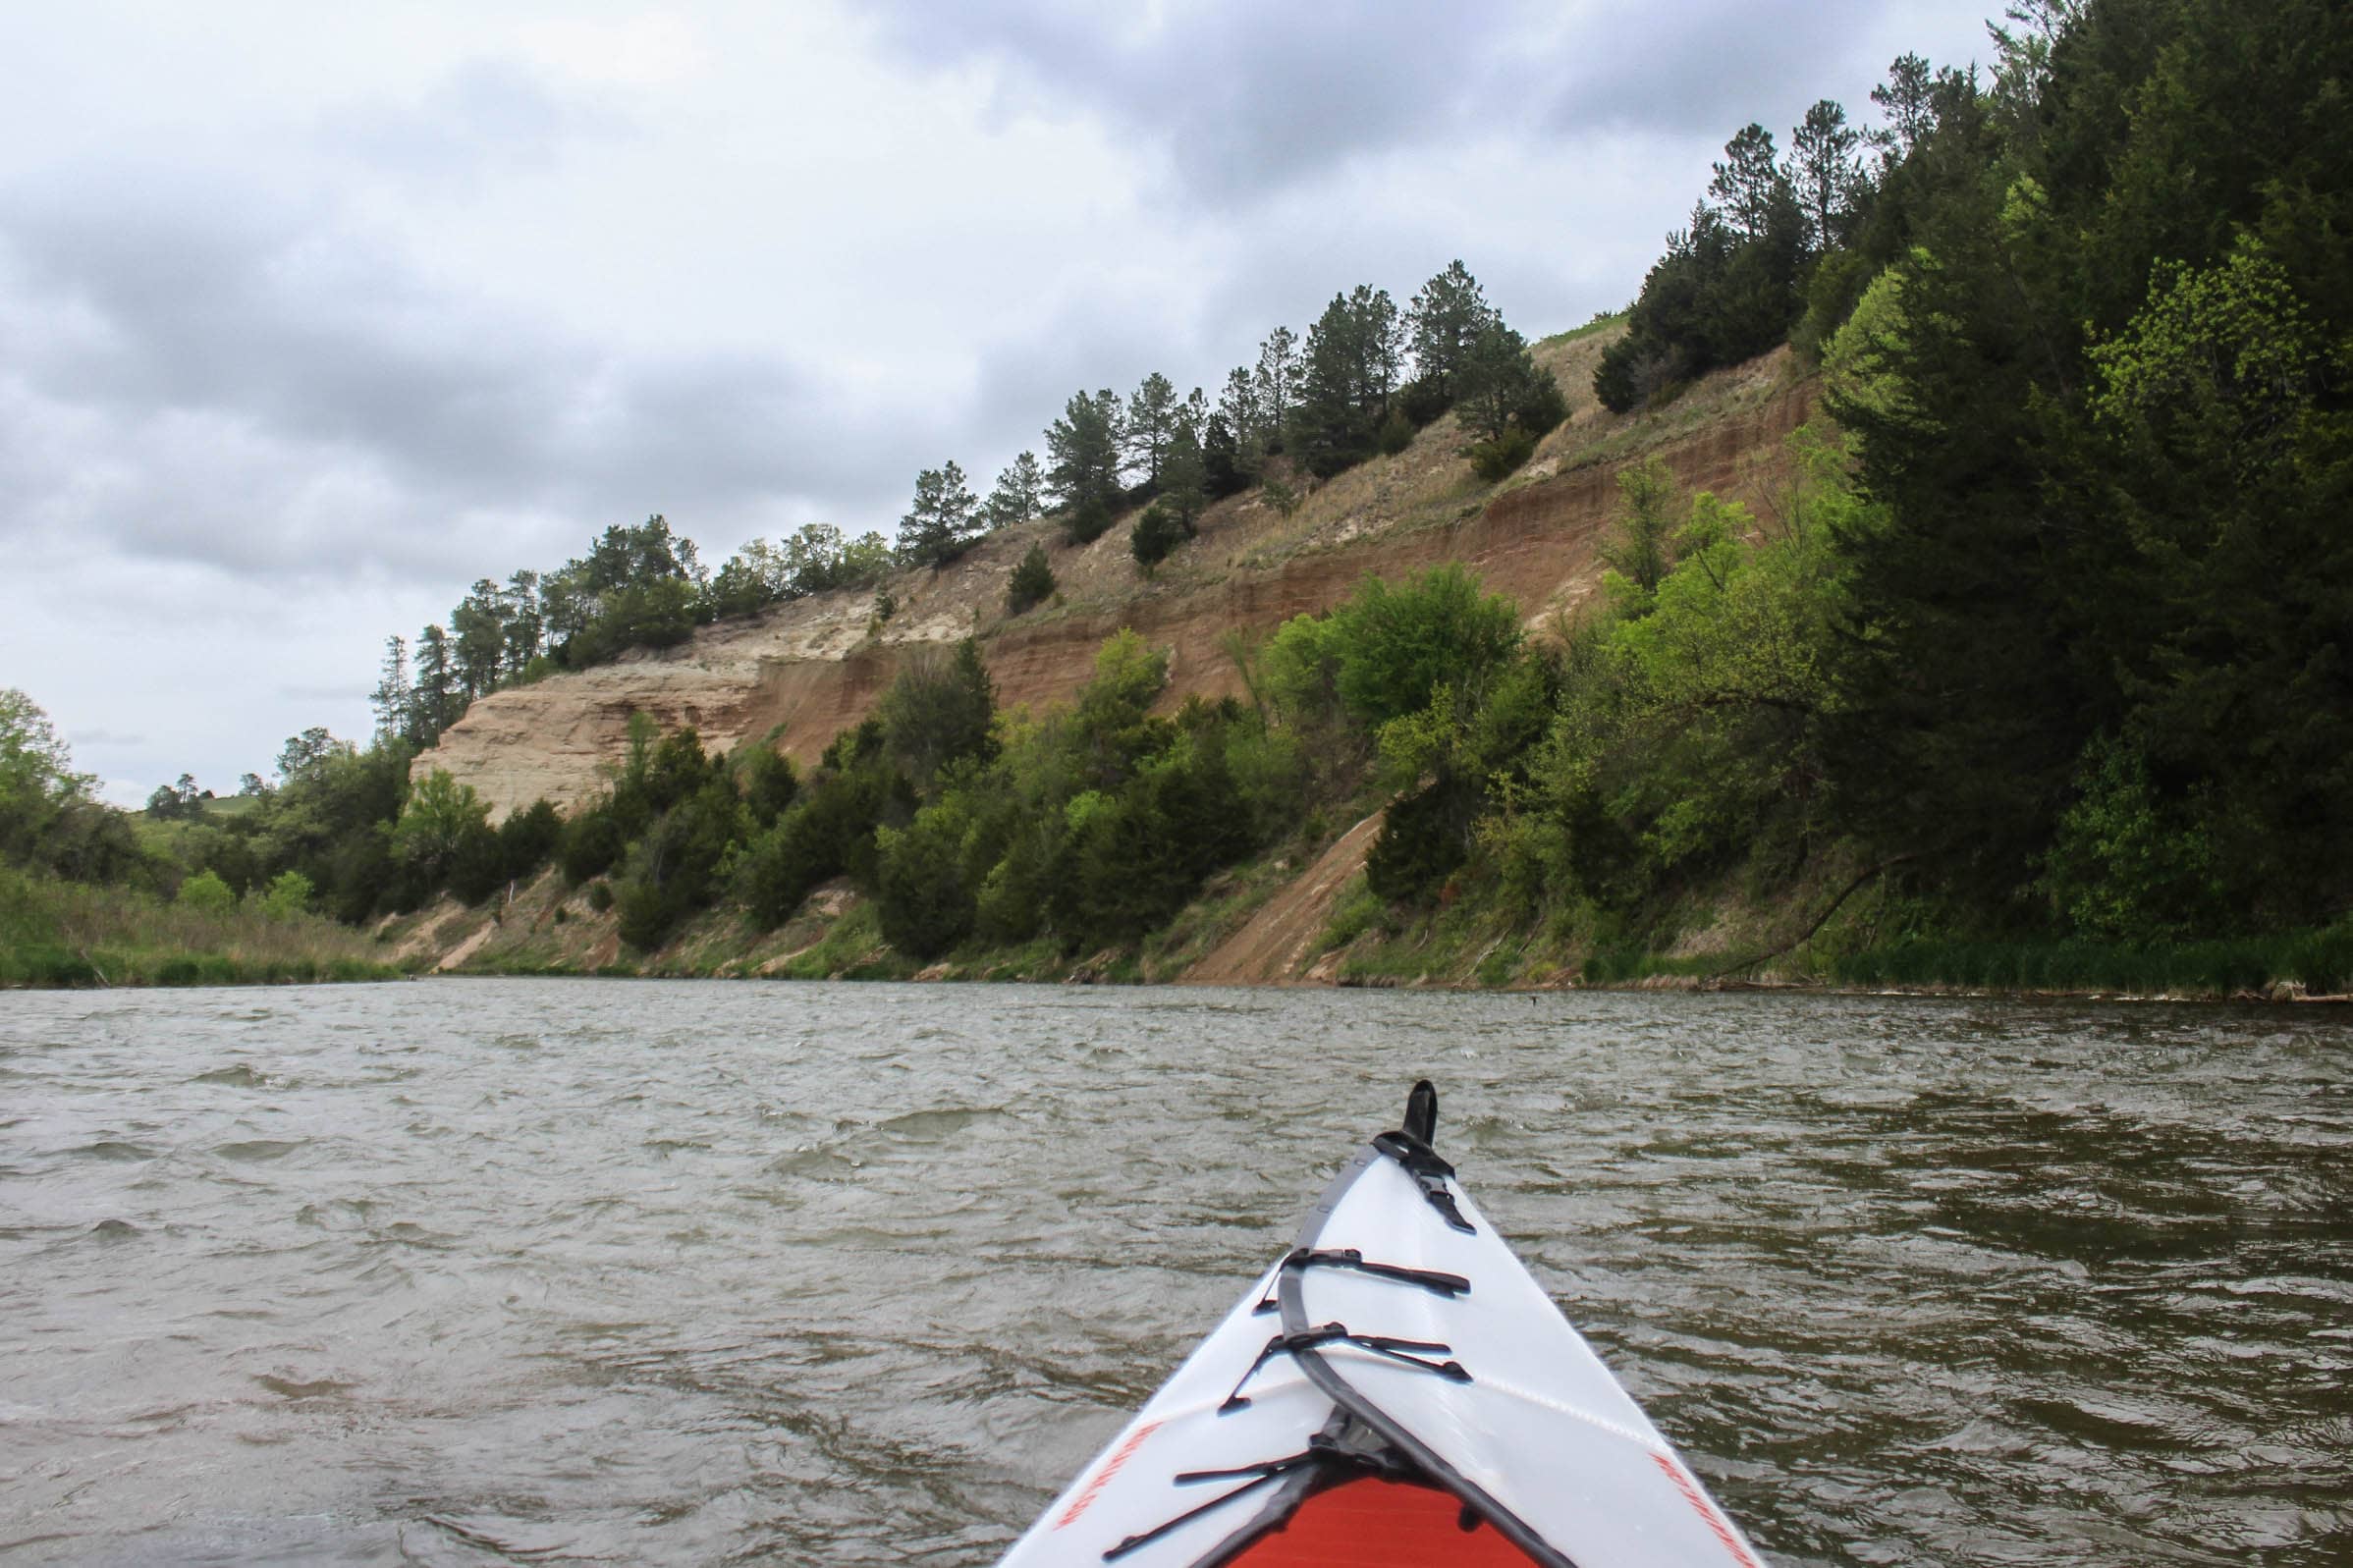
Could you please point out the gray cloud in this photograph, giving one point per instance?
(300, 402)
(308, 325)
(1243, 99)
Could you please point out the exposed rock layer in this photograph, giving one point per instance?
(805, 670)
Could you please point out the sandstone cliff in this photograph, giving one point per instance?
(804, 670)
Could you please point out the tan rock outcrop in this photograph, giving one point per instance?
(806, 669)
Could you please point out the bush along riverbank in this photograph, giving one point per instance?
(1618, 800)
(57, 933)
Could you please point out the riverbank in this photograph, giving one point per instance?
(65, 934)
(1302, 917)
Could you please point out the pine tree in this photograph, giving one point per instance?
(1184, 476)
(1908, 97)
(1502, 386)
(434, 704)
(1355, 353)
(1381, 332)
(480, 627)
(1021, 493)
(1083, 474)
(1748, 182)
(1245, 415)
(1277, 385)
(526, 627)
(1151, 423)
(941, 524)
(1223, 464)
(393, 699)
(1825, 173)
(1444, 320)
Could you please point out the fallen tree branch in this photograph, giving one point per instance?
(1820, 920)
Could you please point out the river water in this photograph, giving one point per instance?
(625, 1272)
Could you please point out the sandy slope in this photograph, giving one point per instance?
(805, 670)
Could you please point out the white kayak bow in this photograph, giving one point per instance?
(1396, 1390)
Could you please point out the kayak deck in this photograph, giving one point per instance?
(1375, 1523)
(1396, 1390)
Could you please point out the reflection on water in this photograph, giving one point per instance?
(471, 1271)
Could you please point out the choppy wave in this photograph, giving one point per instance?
(545, 1270)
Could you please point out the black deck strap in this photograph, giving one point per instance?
(1432, 1279)
(1429, 1172)
(1413, 1352)
(1322, 1448)
(1272, 1473)
(1264, 1467)
(1325, 1454)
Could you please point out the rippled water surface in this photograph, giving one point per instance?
(554, 1272)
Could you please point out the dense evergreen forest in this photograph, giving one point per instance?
(2052, 644)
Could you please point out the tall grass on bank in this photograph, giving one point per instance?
(2320, 960)
(68, 934)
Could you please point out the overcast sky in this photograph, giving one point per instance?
(311, 315)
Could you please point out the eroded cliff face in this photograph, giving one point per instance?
(803, 671)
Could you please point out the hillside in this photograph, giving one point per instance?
(2030, 671)
(806, 669)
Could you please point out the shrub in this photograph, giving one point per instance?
(1396, 433)
(1395, 646)
(206, 892)
(600, 897)
(478, 865)
(677, 768)
(2127, 863)
(828, 833)
(1421, 844)
(527, 838)
(444, 827)
(1012, 904)
(1134, 859)
(1271, 775)
(1087, 521)
(672, 869)
(287, 896)
(1356, 912)
(1157, 532)
(1500, 458)
(1423, 399)
(937, 710)
(1032, 583)
(593, 842)
(766, 783)
(925, 904)
(649, 913)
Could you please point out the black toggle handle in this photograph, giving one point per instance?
(1421, 1114)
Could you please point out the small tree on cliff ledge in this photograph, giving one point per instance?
(1032, 583)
